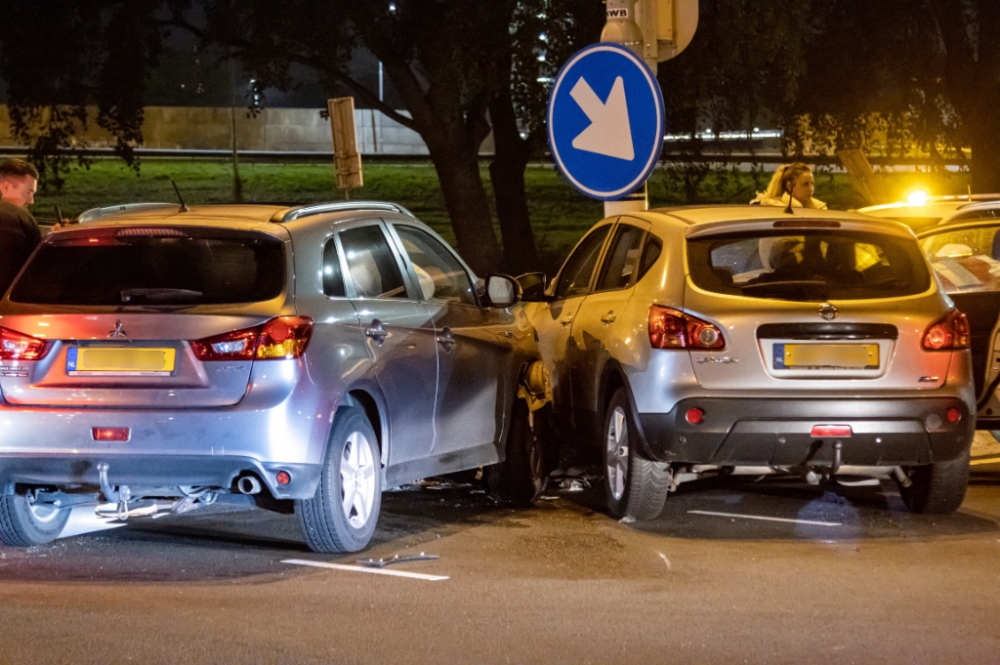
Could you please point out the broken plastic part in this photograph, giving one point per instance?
(382, 563)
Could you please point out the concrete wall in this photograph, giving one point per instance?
(194, 128)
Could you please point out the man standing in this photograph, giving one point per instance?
(19, 232)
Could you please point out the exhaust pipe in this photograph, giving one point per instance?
(248, 485)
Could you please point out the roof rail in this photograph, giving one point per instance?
(110, 211)
(298, 212)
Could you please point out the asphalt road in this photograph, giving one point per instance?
(849, 577)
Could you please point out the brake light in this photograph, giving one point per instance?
(950, 333)
(18, 346)
(830, 431)
(673, 329)
(283, 337)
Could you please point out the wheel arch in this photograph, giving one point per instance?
(372, 402)
(613, 377)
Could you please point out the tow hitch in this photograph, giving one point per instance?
(121, 495)
(119, 501)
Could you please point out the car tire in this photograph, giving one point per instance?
(635, 486)
(342, 515)
(23, 524)
(936, 488)
(521, 476)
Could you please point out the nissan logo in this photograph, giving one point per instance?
(828, 312)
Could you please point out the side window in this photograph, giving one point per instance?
(333, 279)
(650, 253)
(371, 263)
(622, 259)
(580, 265)
(440, 275)
(966, 260)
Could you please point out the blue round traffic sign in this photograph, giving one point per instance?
(605, 121)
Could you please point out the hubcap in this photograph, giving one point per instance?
(616, 453)
(357, 480)
(43, 513)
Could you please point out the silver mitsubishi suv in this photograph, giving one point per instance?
(156, 357)
(729, 339)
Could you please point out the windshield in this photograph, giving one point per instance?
(149, 270)
(808, 265)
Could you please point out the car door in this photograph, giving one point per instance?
(967, 263)
(594, 336)
(553, 320)
(473, 351)
(399, 334)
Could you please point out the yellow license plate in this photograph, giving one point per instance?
(119, 362)
(826, 356)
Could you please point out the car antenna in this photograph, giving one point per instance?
(180, 198)
(789, 208)
(59, 216)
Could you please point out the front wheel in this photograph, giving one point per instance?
(342, 515)
(936, 488)
(521, 476)
(25, 522)
(635, 486)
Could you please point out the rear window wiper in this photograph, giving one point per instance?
(789, 287)
(161, 294)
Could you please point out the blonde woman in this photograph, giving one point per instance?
(792, 185)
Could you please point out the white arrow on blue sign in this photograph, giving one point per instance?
(606, 121)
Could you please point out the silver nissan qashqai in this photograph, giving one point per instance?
(157, 357)
(753, 339)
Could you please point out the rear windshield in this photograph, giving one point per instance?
(808, 265)
(158, 267)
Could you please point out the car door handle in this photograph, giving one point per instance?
(568, 320)
(445, 339)
(377, 332)
(609, 317)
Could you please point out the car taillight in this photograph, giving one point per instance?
(284, 337)
(951, 332)
(280, 338)
(18, 346)
(673, 329)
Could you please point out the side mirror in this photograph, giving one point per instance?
(533, 286)
(502, 290)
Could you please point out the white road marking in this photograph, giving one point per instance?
(365, 569)
(766, 519)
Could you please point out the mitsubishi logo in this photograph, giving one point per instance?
(118, 331)
(828, 312)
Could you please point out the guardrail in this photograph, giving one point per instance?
(669, 157)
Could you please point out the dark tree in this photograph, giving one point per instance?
(60, 56)
(918, 72)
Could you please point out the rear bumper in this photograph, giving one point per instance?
(777, 432)
(166, 448)
(152, 475)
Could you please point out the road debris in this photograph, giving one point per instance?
(763, 518)
(382, 563)
(665, 560)
(573, 485)
(628, 519)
